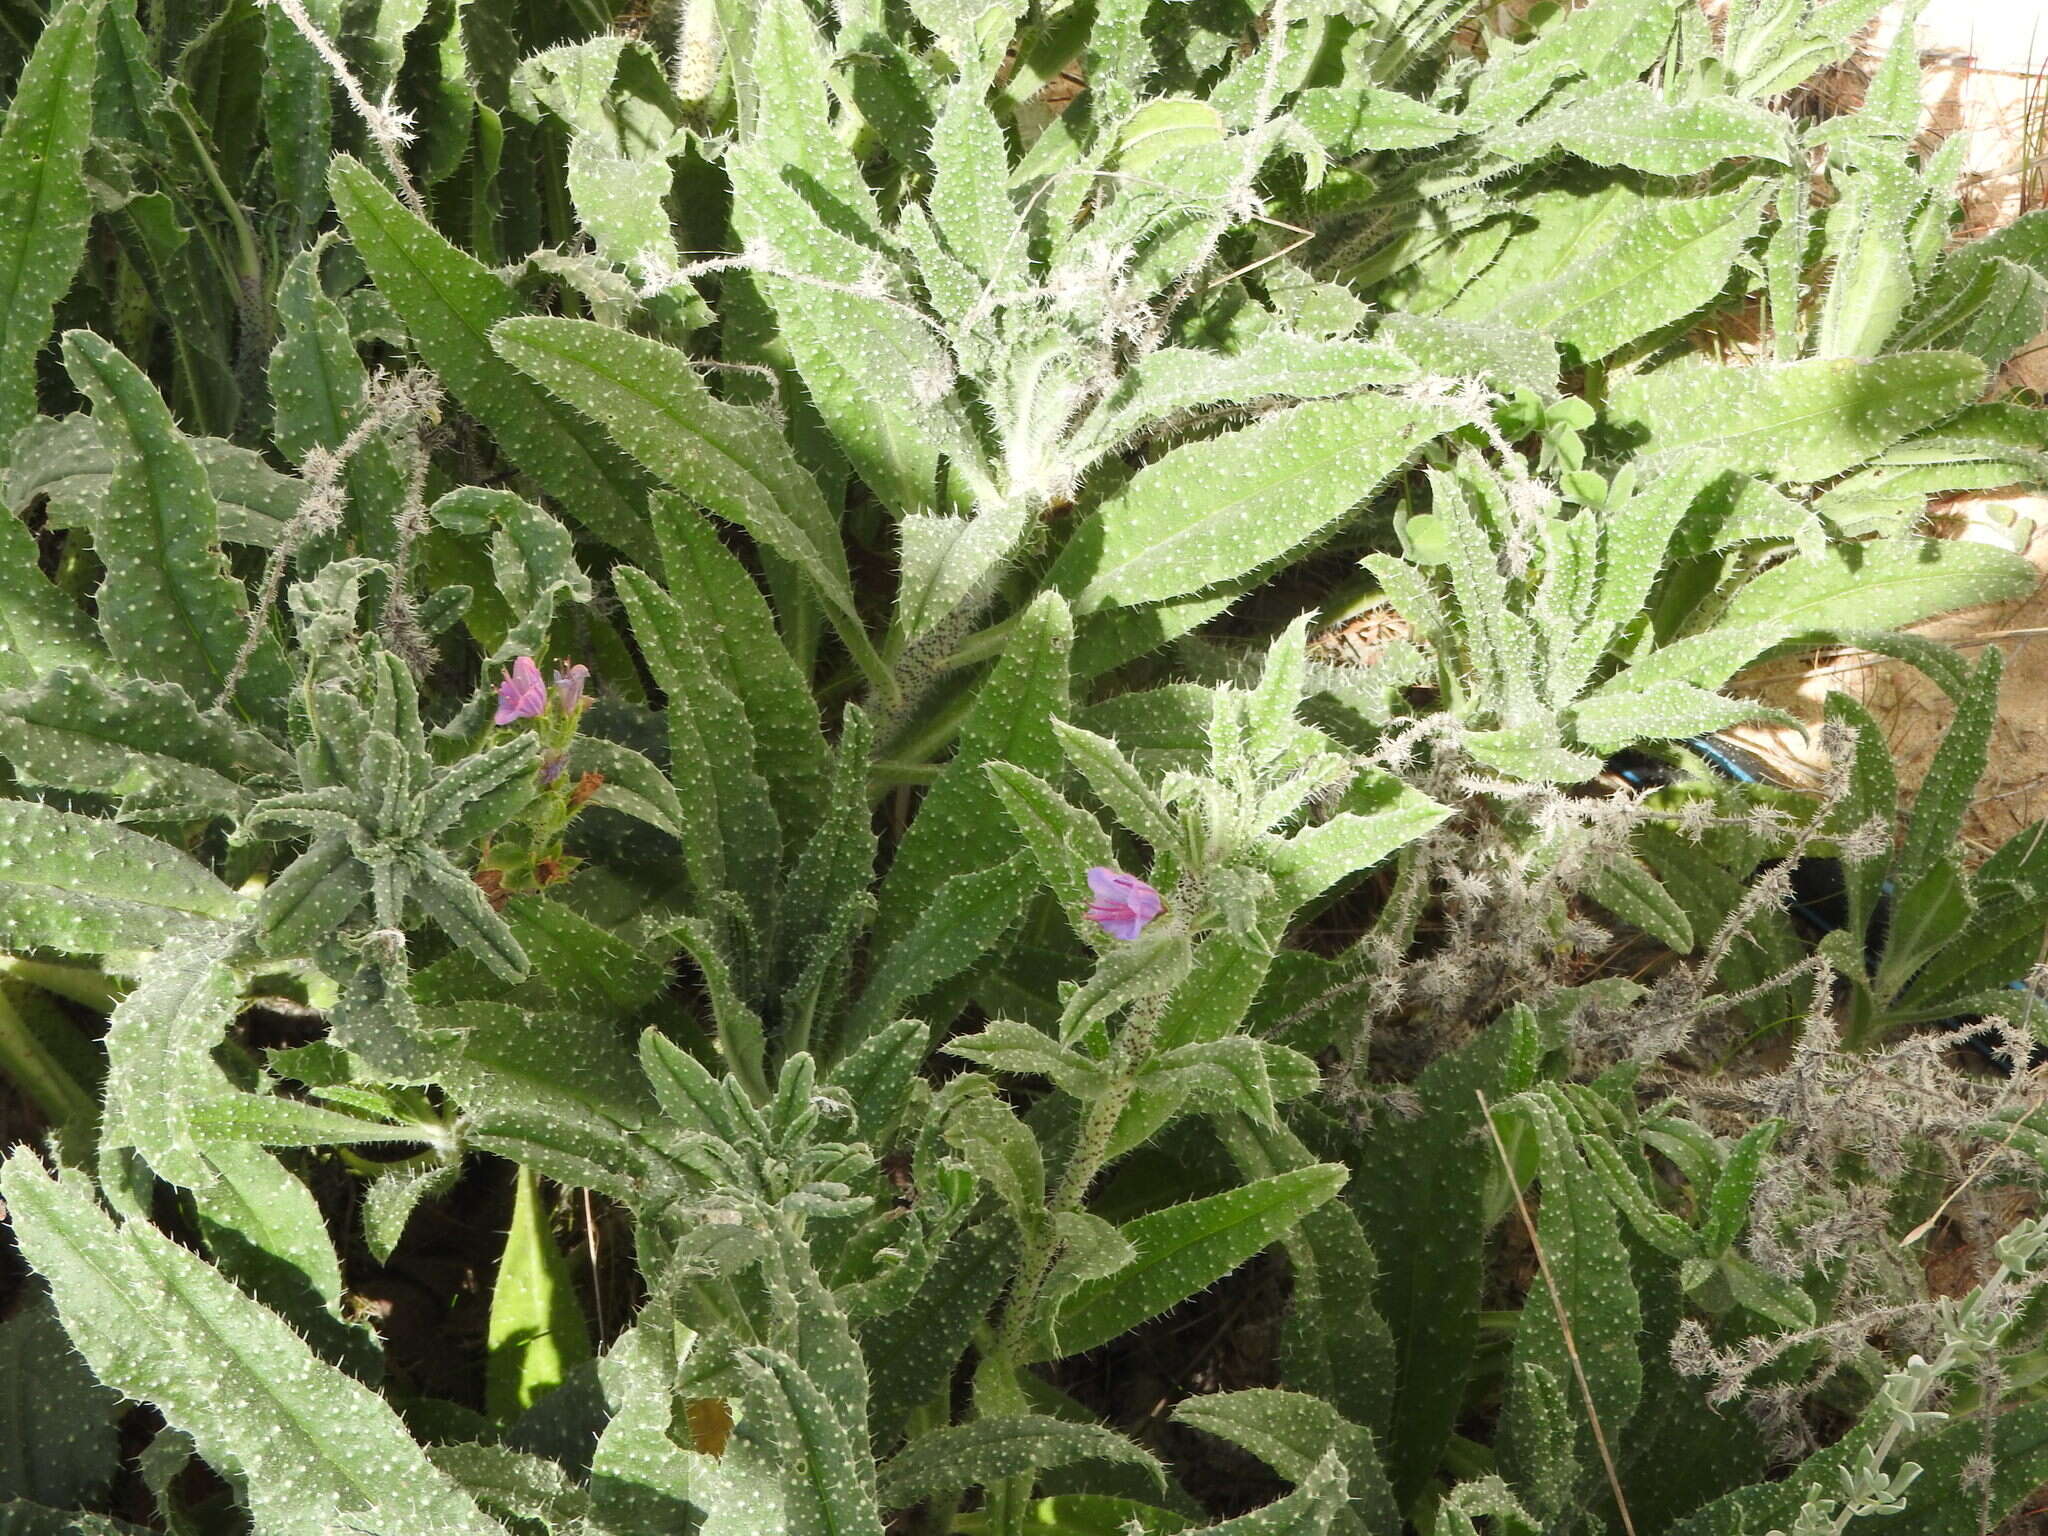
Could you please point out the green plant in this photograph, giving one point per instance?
(711, 613)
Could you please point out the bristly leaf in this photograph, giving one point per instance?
(723, 607)
(449, 303)
(964, 1456)
(60, 1449)
(1293, 1433)
(75, 883)
(731, 837)
(155, 1321)
(1216, 510)
(44, 203)
(1797, 421)
(1945, 794)
(729, 458)
(160, 1064)
(828, 1478)
(168, 607)
(1588, 1266)
(1187, 1248)
(144, 742)
(958, 826)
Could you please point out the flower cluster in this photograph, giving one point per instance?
(530, 855)
(523, 696)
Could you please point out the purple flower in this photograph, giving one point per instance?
(551, 766)
(1123, 903)
(522, 694)
(569, 687)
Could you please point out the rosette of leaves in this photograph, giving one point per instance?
(379, 812)
(1556, 637)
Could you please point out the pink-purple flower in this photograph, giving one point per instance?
(569, 687)
(1123, 903)
(522, 695)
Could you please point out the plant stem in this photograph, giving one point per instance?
(1091, 1150)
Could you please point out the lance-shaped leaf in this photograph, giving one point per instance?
(1352, 119)
(874, 365)
(449, 303)
(44, 204)
(1311, 1510)
(1883, 585)
(1116, 781)
(785, 103)
(585, 964)
(69, 460)
(1292, 1433)
(394, 1195)
(1276, 364)
(1633, 125)
(1065, 841)
(1376, 817)
(1335, 1345)
(1870, 266)
(999, 1148)
(730, 458)
(829, 1478)
(731, 838)
(1215, 510)
(633, 786)
(1187, 1248)
(144, 741)
(315, 894)
(40, 628)
(461, 802)
(1125, 974)
(1419, 1193)
(279, 1122)
(965, 919)
(1669, 259)
(263, 1228)
(875, 1078)
(950, 562)
(160, 1064)
(1634, 895)
(537, 1331)
(913, 1350)
(307, 1445)
(724, 609)
(1797, 421)
(75, 883)
(319, 391)
(970, 204)
(1727, 1205)
(168, 608)
(457, 905)
(1946, 792)
(981, 1453)
(825, 899)
(741, 1037)
(1589, 1267)
(59, 1448)
(960, 826)
(557, 1091)
(1504, 356)
(1988, 307)
(1633, 539)
(1661, 712)
(1010, 1046)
